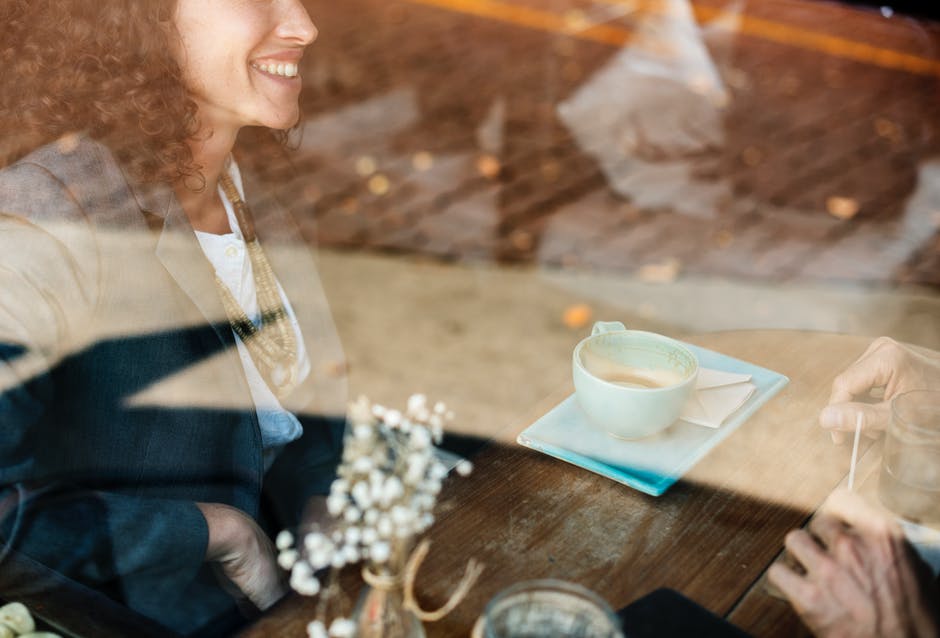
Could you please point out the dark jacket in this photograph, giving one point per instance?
(122, 399)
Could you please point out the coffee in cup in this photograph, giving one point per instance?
(632, 383)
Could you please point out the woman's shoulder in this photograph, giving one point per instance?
(73, 172)
(46, 231)
(71, 158)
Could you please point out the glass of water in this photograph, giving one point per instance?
(909, 484)
(549, 608)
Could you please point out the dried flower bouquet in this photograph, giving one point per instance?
(382, 499)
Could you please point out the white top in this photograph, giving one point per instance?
(228, 256)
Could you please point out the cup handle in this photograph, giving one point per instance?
(602, 327)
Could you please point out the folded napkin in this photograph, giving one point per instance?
(717, 396)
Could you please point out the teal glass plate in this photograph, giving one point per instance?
(651, 465)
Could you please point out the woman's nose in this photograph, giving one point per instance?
(296, 24)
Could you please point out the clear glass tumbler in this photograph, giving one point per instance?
(909, 484)
(548, 608)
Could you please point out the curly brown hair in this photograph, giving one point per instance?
(104, 68)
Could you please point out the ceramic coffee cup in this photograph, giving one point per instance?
(632, 383)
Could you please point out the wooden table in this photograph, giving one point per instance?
(712, 536)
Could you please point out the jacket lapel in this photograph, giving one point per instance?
(180, 253)
(182, 256)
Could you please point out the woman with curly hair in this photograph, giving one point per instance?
(168, 368)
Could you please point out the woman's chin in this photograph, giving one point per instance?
(280, 121)
(284, 122)
(284, 125)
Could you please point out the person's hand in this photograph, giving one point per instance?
(862, 578)
(245, 553)
(885, 364)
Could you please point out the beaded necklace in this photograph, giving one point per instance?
(273, 346)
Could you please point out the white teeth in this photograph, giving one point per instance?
(287, 70)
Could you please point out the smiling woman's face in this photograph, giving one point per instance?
(240, 60)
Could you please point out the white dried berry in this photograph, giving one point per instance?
(319, 559)
(392, 418)
(392, 490)
(437, 472)
(284, 540)
(314, 541)
(384, 527)
(362, 495)
(416, 402)
(316, 629)
(342, 628)
(401, 515)
(420, 438)
(353, 535)
(303, 581)
(379, 552)
(350, 554)
(17, 618)
(338, 561)
(362, 465)
(335, 504)
(287, 558)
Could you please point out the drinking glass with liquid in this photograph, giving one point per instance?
(547, 609)
(909, 484)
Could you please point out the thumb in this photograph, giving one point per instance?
(842, 417)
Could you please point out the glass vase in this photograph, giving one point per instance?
(380, 611)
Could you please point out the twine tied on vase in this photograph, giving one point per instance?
(472, 572)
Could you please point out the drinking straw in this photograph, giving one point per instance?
(858, 431)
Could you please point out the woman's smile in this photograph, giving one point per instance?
(277, 69)
(221, 38)
(280, 65)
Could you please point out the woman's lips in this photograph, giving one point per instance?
(279, 69)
